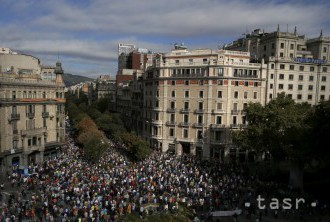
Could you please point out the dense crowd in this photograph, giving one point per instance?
(68, 188)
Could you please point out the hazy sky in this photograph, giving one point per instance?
(85, 34)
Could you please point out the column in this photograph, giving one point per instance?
(178, 149)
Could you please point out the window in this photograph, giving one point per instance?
(270, 96)
(324, 78)
(204, 61)
(324, 69)
(185, 133)
(200, 119)
(299, 96)
(172, 105)
(322, 88)
(157, 104)
(199, 134)
(13, 94)
(271, 85)
(310, 97)
(201, 82)
(311, 68)
(291, 77)
(272, 76)
(301, 68)
(282, 66)
(185, 118)
(300, 87)
(310, 87)
(322, 97)
(236, 94)
(220, 94)
(245, 95)
(220, 82)
(171, 134)
(291, 46)
(301, 77)
(201, 94)
(311, 78)
(324, 49)
(177, 62)
(255, 95)
(186, 82)
(236, 83)
(173, 82)
(235, 106)
(186, 94)
(157, 93)
(282, 45)
(290, 96)
(246, 83)
(218, 120)
(272, 66)
(200, 105)
(235, 120)
(191, 61)
(265, 47)
(255, 84)
(186, 105)
(219, 106)
(290, 87)
(281, 76)
(280, 86)
(220, 71)
(172, 117)
(273, 46)
(291, 55)
(291, 67)
(281, 54)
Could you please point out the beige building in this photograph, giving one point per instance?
(192, 99)
(296, 65)
(32, 111)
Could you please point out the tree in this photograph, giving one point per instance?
(137, 147)
(278, 128)
(94, 148)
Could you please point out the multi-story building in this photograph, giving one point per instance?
(296, 65)
(32, 110)
(192, 99)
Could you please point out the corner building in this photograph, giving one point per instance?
(297, 66)
(192, 99)
(32, 111)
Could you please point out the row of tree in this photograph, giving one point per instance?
(92, 124)
(294, 132)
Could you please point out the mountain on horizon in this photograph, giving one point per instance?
(70, 79)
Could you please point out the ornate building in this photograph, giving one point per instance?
(32, 110)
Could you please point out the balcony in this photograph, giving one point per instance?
(30, 115)
(171, 110)
(45, 114)
(218, 126)
(14, 116)
(244, 125)
(234, 126)
(199, 111)
(235, 111)
(198, 125)
(170, 123)
(184, 124)
(218, 111)
(185, 110)
(33, 132)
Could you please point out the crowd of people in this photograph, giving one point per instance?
(69, 188)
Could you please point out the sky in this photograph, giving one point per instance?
(84, 34)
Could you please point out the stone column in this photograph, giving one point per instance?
(178, 149)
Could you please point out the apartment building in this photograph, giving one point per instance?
(192, 99)
(296, 65)
(32, 110)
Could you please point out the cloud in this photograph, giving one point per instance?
(86, 33)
